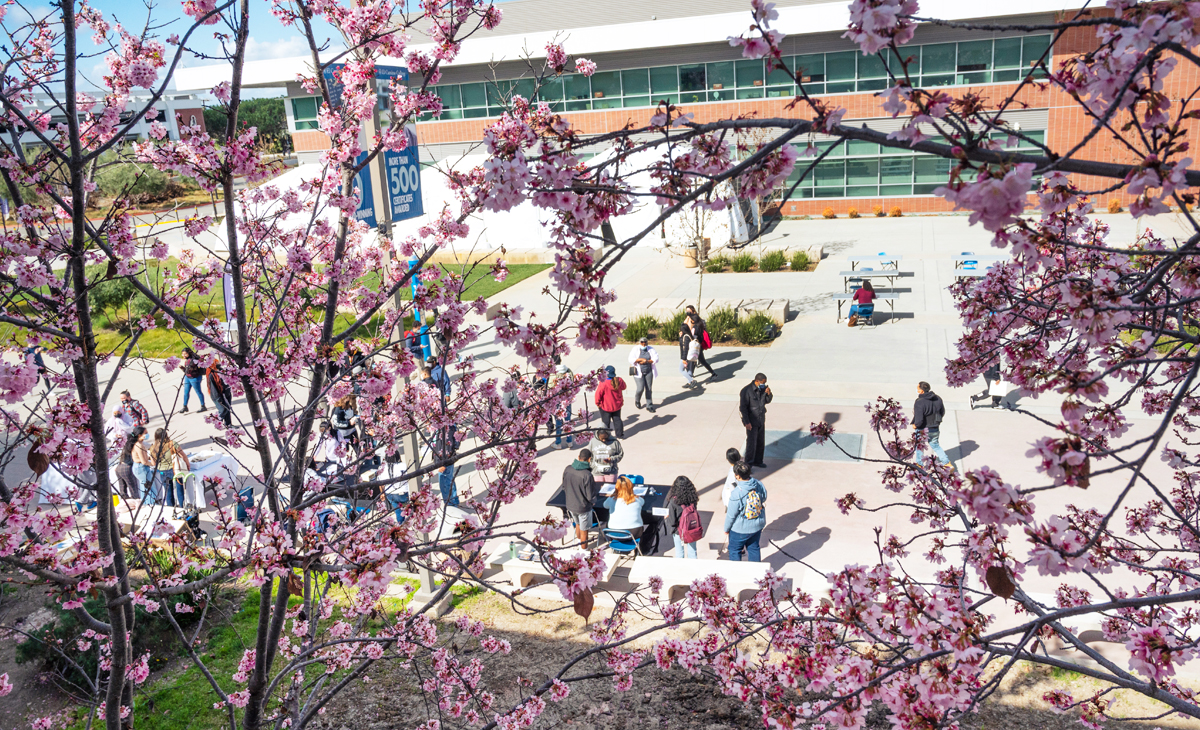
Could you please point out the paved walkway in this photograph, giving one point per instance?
(819, 370)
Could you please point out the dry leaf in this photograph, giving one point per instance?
(37, 461)
(584, 602)
(999, 581)
(295, 585)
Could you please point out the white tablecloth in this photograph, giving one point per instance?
(208, 464)
(54, 482)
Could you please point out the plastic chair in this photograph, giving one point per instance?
(622, 542)
(866, 314)
(887, 263)
(635, 479)
(969, 264)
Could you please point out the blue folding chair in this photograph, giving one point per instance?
(969, 264)
(635, 479)
(865, 314)
(887, 263)
(622, 542)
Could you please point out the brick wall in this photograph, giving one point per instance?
(310, 140)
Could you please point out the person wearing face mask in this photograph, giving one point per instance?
(753, 406)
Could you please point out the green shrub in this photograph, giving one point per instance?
(799, 261)
(640, 327)
(669, 330)
(152, 633)
(116, 298)
(755, 329)
(716, 264)
(742, 262)
(772, 261)
(720, 322)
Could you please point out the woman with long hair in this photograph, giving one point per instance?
(625, 509)
(143, 469)
(126, 481)
(683, 519)
(163, 453)
(864, 302)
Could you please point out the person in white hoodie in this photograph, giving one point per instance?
(643, 361)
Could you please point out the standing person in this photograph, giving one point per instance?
(683, 519)
(561, 371)
(746, 516)
(643, 361)
(127, 481)
(345, 420)
(580, 489)
(118, 427)
(193, 377)
(164, 454)
(606, 456)
(928, 412)
(753, 406)
(863, 302)
(35, 351)
(733, 457)
(447, 485)
(689, 353)
(625, 509)
(221, 395)
(137, 412)
(143, 469)
(609, 399)
(700, 331)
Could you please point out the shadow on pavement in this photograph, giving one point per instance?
(799, 549)
(643, 424)
(964, 449)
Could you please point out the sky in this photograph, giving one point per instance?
(268, 37)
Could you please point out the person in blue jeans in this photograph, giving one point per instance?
(447, 486)
(746, 516)
(928, 412)
(193, 378)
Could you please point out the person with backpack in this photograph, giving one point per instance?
(746, 516)
(700, 331)
(683, 517)
(689, 353)
(580, 490)
(610, 399)
(193, 377)
(218, 389)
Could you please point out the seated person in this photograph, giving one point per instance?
(625, 509)
(864, 302)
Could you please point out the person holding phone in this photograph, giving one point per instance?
(753, 406)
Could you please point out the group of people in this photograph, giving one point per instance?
(744, 498)
(194, 374)
(149, 471)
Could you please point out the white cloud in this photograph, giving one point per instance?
(257, 50)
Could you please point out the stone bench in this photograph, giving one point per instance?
(523, 573)
(678, 575)
(776, 309)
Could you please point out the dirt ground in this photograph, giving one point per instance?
(672, 700)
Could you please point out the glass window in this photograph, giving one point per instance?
(974, 62)
(720, 75)
(551, 91)
(1008, 53)
(778, 76)
(896, 189)
(839, 72)
(576, 86)
(858, 147)
(636, 101)
(525, 88)
(304, 111)
(870, 67)
(822, 146)
(751, 93)
(475, 113)
(932, 170)
(497, 93)
(861, 191)
(831, 173)
(664, 80)
(862, 172)
(578, 106)
(937, 58)
(810, 67)
(830, 192)
(449, 95)
(896, 63)
(1038, 136)
(606, 85)
(473, 95)
(749, 73)
(691, 84)
(636, 81)
(895, 170)
(608, 102)
(1032, 48)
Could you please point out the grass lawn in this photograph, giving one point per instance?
(162, 342)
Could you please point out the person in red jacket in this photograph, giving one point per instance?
(609, 400)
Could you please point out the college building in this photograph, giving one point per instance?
(678, 51)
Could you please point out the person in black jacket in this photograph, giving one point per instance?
(580, 488)
(696, 324)
(928, 413)
(754, 399)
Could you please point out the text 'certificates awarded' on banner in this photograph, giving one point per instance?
(403, 174)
